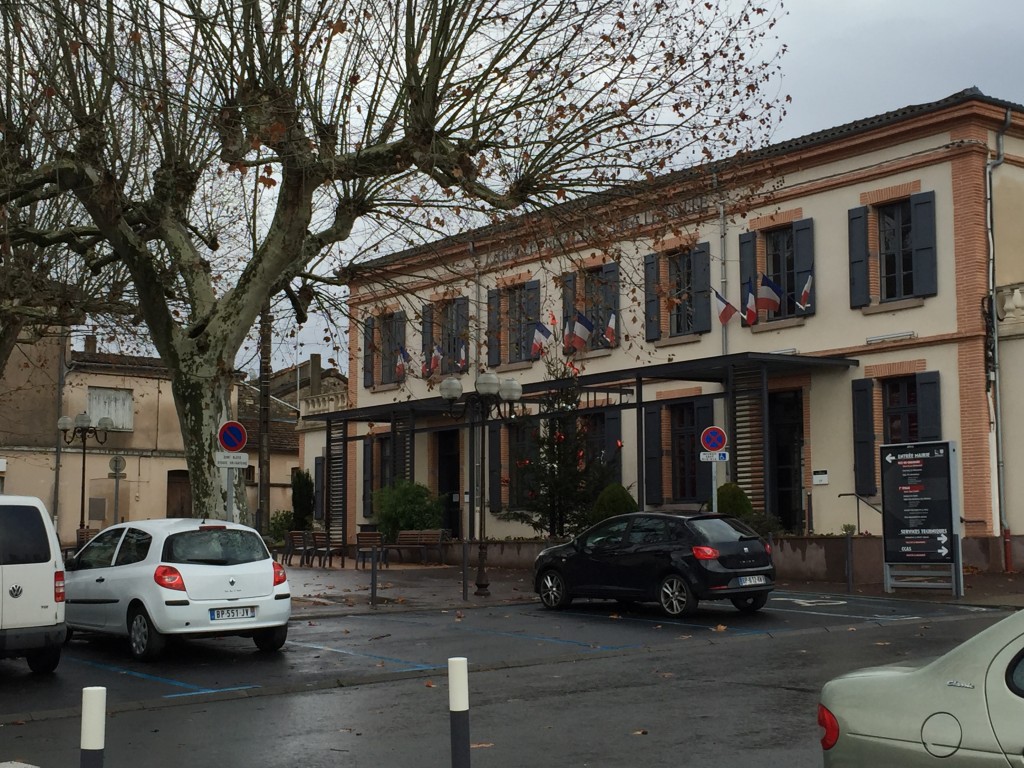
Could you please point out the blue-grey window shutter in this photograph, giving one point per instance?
(704, 417)
(533, 312)
(368, 352)
(568, 308)
(652, 303)
(462, 327)
(493, 328)
(748, 270)
(864, 482)
(368, 477)
(929, 406)
(391, 356)
(700, 260)
(922, 241)
(803, 257)
(493, 467)
(653, 493)
(427, 336)
(612, 436)
(860, 295)
(610, 299)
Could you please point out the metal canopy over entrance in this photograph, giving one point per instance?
(744, 378)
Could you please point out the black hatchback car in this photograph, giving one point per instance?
(675, 560)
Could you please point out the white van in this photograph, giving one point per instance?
(31, 584)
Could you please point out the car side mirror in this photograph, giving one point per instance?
(71, 564)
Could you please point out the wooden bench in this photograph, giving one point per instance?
(420, 541)
(365, 543)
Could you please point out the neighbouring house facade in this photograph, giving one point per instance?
(876, 273)
(46, 380)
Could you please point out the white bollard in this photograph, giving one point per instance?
(458, 705)
(94, 713)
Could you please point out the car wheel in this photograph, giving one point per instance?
(553, 591)
(676, 597)
(143, 638)
(45, 661)
(271, 639)
(751, 603)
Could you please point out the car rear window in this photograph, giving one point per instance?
(721, 529)
(23, 537)
(224, 546)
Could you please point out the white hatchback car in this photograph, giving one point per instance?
(147, 579)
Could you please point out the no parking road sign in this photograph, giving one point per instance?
(714, 439)
(232, 436)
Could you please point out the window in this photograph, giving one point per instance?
(680, 424)
(594, 297)
(513, 312)
(895, 252)
(523, 450)
(99, 553)
(911, 412)
(677, 292)
(115, 403)
(23, 536)
(902, 234)
(605, 535)
(685, 452)
(383, 344)
(784, 255)
(445, 337)
(649, 530)
(134, 547)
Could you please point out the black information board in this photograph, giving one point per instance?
(917, 502)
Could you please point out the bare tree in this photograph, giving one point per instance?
(160, 120)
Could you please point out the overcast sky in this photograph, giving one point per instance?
(851, 59)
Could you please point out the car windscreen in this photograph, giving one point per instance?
(214, 546)
(720, 529)
(23, 537)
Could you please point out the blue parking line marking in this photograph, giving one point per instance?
(193, 689)
(412, 665)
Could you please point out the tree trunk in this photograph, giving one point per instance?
(202, 399)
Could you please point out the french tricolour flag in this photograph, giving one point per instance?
(725, 309)
(609, 330)
(581, 331)
(769, 295)
(751, 304)
(435, 359)
(401, 359)
(462, 356)
(805, 294)
(541, 334)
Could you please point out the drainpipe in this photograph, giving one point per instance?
(990, 166)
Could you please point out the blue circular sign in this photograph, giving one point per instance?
(232, 436)
(713, 439)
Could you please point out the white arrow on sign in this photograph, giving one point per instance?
(890, 458)
(943, 538)
(943, 551)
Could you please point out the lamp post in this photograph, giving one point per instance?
(491, 395)
(81, 428)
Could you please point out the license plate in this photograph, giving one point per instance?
(749, 581)
(218, 614)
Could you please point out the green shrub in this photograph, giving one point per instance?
(613, 500)
(733, 500)
(280, 524)
(405, 506)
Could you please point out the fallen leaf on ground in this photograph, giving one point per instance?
(614, 616)
(481, 745)
(719, 628)
(684, 637)
(882, 643)
(429, 684)
(640, 732)
(313, 624)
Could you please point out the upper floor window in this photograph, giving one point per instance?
(590, 304)
(513, 312)
(777, 265)
(384, 352)
(893, 250)
(445, 336)
(114, 403)
(677, 292)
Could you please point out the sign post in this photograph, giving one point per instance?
(232, 438)
(920, 513)
(714, 440)
(117, 465)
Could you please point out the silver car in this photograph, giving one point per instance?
(962, 710)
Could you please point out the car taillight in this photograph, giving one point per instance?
(279, 575)
(58, 586)
(768, 548)
(168, 577)
(828, 721)
(705, 553)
